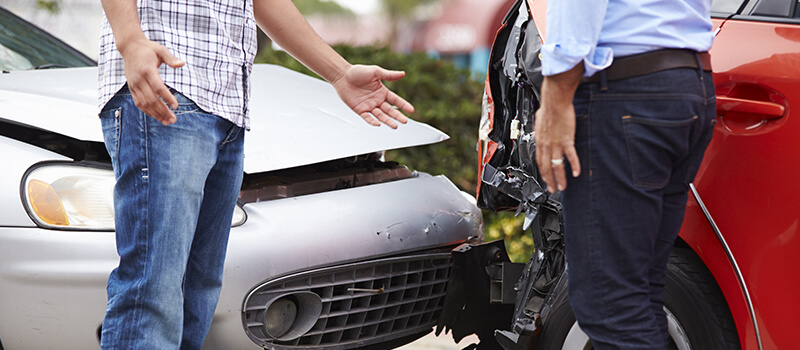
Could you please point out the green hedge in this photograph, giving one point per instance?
(447, 98)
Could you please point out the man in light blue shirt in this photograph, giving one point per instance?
(627, 109)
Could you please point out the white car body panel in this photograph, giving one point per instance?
(306, 114)
(288, 110)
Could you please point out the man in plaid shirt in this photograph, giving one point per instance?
(174, 128)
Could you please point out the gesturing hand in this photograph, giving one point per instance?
(142, 59)
(360, 87)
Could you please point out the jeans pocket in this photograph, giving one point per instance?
(654, 146)
(185, 105)
(110, 121)
(698, 150)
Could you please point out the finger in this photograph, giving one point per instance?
(545, 167)
(400, 102)
(574, 161)
(390, 75)
(538, 155)
(157, 108)
(147, 100)
(161, 100)
(393, 113)
(383, 117)
(537, 139)
(170, 59)
(559, 174)
(370, 119)
(161, 112)
(167, 96)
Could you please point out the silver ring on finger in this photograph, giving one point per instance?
(557, 162)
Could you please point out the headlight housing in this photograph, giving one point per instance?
(73, 196)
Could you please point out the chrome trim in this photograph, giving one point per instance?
(735, 265)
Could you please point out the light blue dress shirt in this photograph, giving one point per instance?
(595, 31)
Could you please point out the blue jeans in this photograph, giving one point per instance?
(176, 189)
(640, 141)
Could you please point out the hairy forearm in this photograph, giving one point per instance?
(284, 24)
(124, 20)
(558, 90)
(554, 128)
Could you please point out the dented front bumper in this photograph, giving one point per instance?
(500, 301)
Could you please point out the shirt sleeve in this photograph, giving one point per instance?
(573, 29)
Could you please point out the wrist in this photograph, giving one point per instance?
(125, 42)
(558, 90)
(338, 73)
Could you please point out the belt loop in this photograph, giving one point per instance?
(603, 80)
(700, 74)
(699, 64)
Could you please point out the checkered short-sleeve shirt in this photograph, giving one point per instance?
(216, 39)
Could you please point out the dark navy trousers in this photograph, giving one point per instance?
(640, 141)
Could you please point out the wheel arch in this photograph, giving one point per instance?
(698, 234)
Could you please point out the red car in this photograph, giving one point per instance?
(744, 218)
(734, 275)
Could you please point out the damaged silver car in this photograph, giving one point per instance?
(357, 246)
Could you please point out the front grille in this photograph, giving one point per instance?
(362, 303)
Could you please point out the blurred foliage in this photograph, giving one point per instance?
(447, 98)
(322, 7)
(504, 225)
(52, 6)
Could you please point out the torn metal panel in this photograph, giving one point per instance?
(517, 184)
(510, 180)
(541, 274)
(509, 176)
(487, 291)
(467, 309)
(510, 62)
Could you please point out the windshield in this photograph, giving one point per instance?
(25, 46)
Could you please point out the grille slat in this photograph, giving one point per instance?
(371, 323)
(399, 303)
(413, 295)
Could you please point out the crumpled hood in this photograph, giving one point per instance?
(295, 119)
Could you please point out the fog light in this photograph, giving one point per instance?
(290, 316)
(280, 316)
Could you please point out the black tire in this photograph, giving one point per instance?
(556, 322)
(692, 296)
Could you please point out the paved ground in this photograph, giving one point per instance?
(443, 342)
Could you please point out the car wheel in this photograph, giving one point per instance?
(697, 314)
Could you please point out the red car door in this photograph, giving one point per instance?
(750, 177)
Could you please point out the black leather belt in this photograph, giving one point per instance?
(651, 62)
